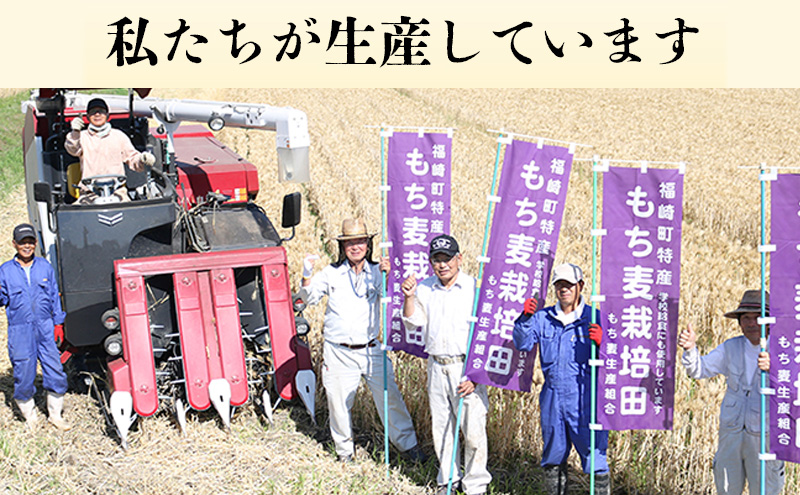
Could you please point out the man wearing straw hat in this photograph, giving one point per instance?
(740, 360)
(442, 304)
(564, 334)
(351, 349)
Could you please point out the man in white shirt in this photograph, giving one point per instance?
(351, 349)
(740, 360)
(442, 304)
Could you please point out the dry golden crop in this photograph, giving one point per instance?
(715, 131)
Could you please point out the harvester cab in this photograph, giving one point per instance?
(175, 276)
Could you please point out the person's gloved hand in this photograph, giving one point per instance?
(595, 333)
(308, 265)
(148, 159)
(530, 306)
(58, 333)
(76, 124)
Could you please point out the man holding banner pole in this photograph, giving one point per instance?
(351, 349)
(739, 359)
(564, 334)
(442, 305)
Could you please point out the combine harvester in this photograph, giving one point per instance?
(183, 292)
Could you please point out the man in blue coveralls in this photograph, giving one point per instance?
(29, 291)
(564, 333)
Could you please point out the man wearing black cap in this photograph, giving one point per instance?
(29, 292)
(442, 304)
(740, 360)
(102, 149)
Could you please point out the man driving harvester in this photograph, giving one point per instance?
(103, 150)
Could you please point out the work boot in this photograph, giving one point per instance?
(563, 477)
(602, 484)
(55, 403)
(28, 409)
(415, 455)
(555, 479)
(442, 489)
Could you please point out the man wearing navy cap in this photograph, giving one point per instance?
(29, 292)
(442, 304)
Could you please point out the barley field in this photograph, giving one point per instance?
(717, 132)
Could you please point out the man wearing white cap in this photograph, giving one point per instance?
(351, 349)
(442, 304)
(564, 334)
(740, 360)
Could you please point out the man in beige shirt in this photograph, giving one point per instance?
(102, 149)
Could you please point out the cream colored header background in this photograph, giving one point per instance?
(740, 44)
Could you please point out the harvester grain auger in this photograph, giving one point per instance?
(183, 290)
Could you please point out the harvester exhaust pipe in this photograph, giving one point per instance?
(219, 391)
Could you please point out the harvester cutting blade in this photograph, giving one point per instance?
(267, 405)
(121, 405)
(180, 414)
(306, 382)
(219, 391)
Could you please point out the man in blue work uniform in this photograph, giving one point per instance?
(564, 333)
(29, 292)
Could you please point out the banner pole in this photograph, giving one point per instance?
(762, 461)
(385, 312)
(474, 311)
(593, 420)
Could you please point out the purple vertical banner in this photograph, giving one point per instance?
(784, 339)
(418, 209)
(640, 279)
(524, 234)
